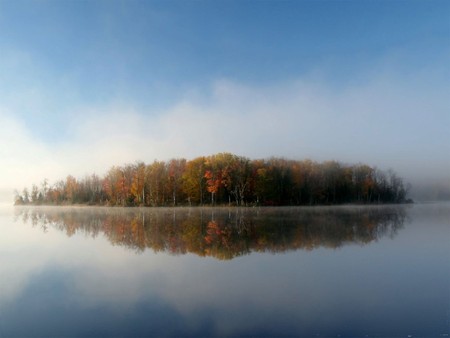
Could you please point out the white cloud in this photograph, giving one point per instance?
(385, 121)
(24, 160)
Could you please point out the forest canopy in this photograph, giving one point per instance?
(224, 179)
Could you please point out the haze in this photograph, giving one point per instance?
(87, 85)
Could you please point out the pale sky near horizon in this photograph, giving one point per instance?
(85, 85)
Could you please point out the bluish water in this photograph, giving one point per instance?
(281, 272)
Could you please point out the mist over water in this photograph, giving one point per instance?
(225, 272)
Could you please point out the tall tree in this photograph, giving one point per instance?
(138, 184)
(194, 181)
(156, 175)
(176, 167)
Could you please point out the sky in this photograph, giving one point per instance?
(85, 85)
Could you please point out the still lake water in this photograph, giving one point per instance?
(203, 272)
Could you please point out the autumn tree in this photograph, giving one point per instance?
(194, 180)
(156, 174)
(138, 184)
(176, 167)
(217, 174)
(71, 188)
(114, 185)
(228, 178)
(238, 176)
(259, 180)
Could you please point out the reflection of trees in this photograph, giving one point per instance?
(224, 233)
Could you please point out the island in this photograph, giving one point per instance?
(224, 179)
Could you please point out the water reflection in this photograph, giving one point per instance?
(223, 233)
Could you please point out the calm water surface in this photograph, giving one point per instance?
(280, 272)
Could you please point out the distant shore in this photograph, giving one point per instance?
(224, 179)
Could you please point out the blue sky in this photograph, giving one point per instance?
(88, 84)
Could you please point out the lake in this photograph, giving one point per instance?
(376, 271)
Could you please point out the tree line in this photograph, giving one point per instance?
(224, 179)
